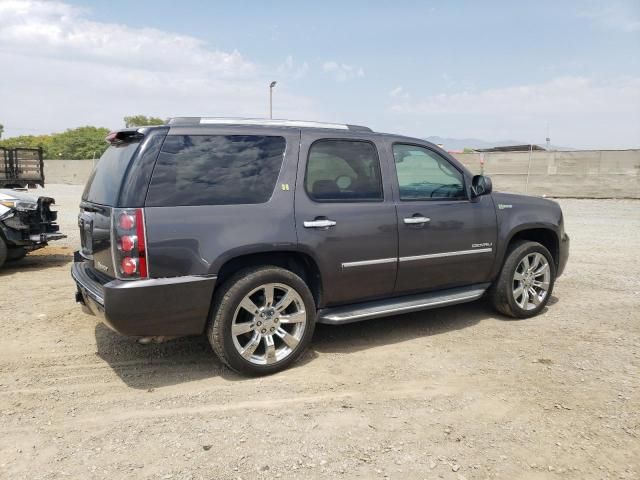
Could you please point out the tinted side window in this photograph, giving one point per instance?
(424, 175)
(216, 170)
(343, 170)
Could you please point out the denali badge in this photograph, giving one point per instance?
(502, 206)
(481, 245)
(100, 266)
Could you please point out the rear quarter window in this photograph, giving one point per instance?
(216, 170)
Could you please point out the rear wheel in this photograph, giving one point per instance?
(262, 320)
(526, 281)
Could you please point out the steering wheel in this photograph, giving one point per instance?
(439, 188)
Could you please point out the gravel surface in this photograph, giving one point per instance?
(454, 393)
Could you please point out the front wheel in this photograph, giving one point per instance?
(526, 281)
(262, 320)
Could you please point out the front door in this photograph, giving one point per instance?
(445, 238)
(345, 219)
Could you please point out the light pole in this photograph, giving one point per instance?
(273, 84)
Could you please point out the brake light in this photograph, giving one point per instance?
(126, 221)
(129, 266)
(142, 252)
(129, 244)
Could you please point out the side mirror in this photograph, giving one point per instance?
(481, 185)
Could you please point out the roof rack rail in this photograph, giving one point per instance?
(264, 122)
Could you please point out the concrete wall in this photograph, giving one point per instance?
(70, 172)
(589, 174)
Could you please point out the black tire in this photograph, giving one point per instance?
(226, 301)
(501, 292)
(16, 253)
(3, 251)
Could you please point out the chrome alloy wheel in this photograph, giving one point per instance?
(531, 281)
(269, 323)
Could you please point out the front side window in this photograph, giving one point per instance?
(425, 175)
(216, 170)
(343, 170)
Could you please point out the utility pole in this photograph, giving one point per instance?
(526, 187)
(273, 84)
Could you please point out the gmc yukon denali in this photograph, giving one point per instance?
(252, 231)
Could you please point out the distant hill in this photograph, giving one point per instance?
(459, 144)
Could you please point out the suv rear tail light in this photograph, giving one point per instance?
(129, 243)
(126, 221)
(129, 265)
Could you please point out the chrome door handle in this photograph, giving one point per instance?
(319, 224)
(416, 220)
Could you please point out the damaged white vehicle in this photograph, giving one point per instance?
(26, 223)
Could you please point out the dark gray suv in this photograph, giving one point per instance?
(251, 231)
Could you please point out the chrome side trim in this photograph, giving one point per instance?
(446, 254)
(411, 303)
(418, 306)
(363, 263)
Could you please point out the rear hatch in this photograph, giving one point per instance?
(100, 197)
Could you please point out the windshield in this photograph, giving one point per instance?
(104, 183)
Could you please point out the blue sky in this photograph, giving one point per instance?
(489, 70)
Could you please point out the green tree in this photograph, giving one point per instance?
(1, 130)
(75, 144)
(142, 120)
(27, 141)
(78, 143)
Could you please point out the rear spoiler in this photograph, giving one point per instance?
(124, 136)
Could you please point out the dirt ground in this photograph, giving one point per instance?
(454, 393)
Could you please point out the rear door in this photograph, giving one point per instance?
(217, 193)
(345, 219)
(445, 238)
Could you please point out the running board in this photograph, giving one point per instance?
(406, 304)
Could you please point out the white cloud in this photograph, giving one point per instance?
(53, 29)
(615, 16)
(582, 112)
(563, 94)
(399, 92)
(291, 69)
(67, 70)
(342, 72)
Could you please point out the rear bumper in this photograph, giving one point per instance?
(564, 254)
(152, 307)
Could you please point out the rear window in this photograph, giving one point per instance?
(216, 170)
(105, 180)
